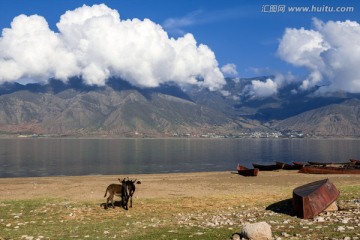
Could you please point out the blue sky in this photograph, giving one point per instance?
(236, 31)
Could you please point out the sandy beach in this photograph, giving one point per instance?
(204, 184)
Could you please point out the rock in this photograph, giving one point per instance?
(340, 229)
(319, 219)
(235, 236)
(257, 231)
(332, 208)
(346, 220)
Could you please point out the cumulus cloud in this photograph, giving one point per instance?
(262, 89)
(95, 44)
(330, 51)
(268, 87)
(229, 70)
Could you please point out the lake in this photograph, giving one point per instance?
(32, 157)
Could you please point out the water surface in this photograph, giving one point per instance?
(53, 157)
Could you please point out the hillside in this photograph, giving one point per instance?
(340, 120)
(121, 110)
(117, 109)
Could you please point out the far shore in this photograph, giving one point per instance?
(105, 136)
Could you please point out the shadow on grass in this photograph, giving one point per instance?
(283, 206)
(116, 204)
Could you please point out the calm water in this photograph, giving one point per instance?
(49, 157)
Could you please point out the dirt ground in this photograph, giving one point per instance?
(205, 184)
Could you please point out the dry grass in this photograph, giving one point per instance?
(166, 206)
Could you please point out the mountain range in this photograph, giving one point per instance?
(120, 109)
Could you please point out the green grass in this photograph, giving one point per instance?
(179, 218)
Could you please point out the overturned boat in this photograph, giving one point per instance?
(287, 166)
(348, 169)
(320, 163)
(355, 161)
(268, 167)
(311, 199)
(247, 172)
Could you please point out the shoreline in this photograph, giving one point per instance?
(165, 185)
(115, 137)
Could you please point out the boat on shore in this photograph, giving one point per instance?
(348, 169)
(355, 161)
(320, 163)
(286, 166)
(268, 167)
(311, 199)
(300, 164)
(247, 172)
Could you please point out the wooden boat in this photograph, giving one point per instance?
(299, 164)
(286, 166)
(320, 163)
(311, 199)
(357, 162)
(330, 170)
(268, 167)
(247, 172)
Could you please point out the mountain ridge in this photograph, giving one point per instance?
(120, 109)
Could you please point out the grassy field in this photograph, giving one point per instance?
(174, 218)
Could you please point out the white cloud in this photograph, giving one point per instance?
(229, 69)
(176, 25)
(30, 49)
(94, 43)
(269, 87)
(330, 51)
(261, 89)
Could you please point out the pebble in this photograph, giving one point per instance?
(26, 237)
(235, 237)
(319, 219)
(345, 221)
(340, 229)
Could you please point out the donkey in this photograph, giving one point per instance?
(114, 190)
(127, 192)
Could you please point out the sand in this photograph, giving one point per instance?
(204, 184)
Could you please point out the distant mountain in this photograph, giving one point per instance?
(120, 109)
(117, 109)
(340, 120)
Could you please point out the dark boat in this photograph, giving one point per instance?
(247, 172)
(268, 167)
(311, 199)
(320, 163)
(299, 164)
(330, 170)
(286, 166)
(357, 162)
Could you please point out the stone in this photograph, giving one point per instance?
(256, 231)
(340, 229)
(332, 208)
(319, 219)
(235, 236)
